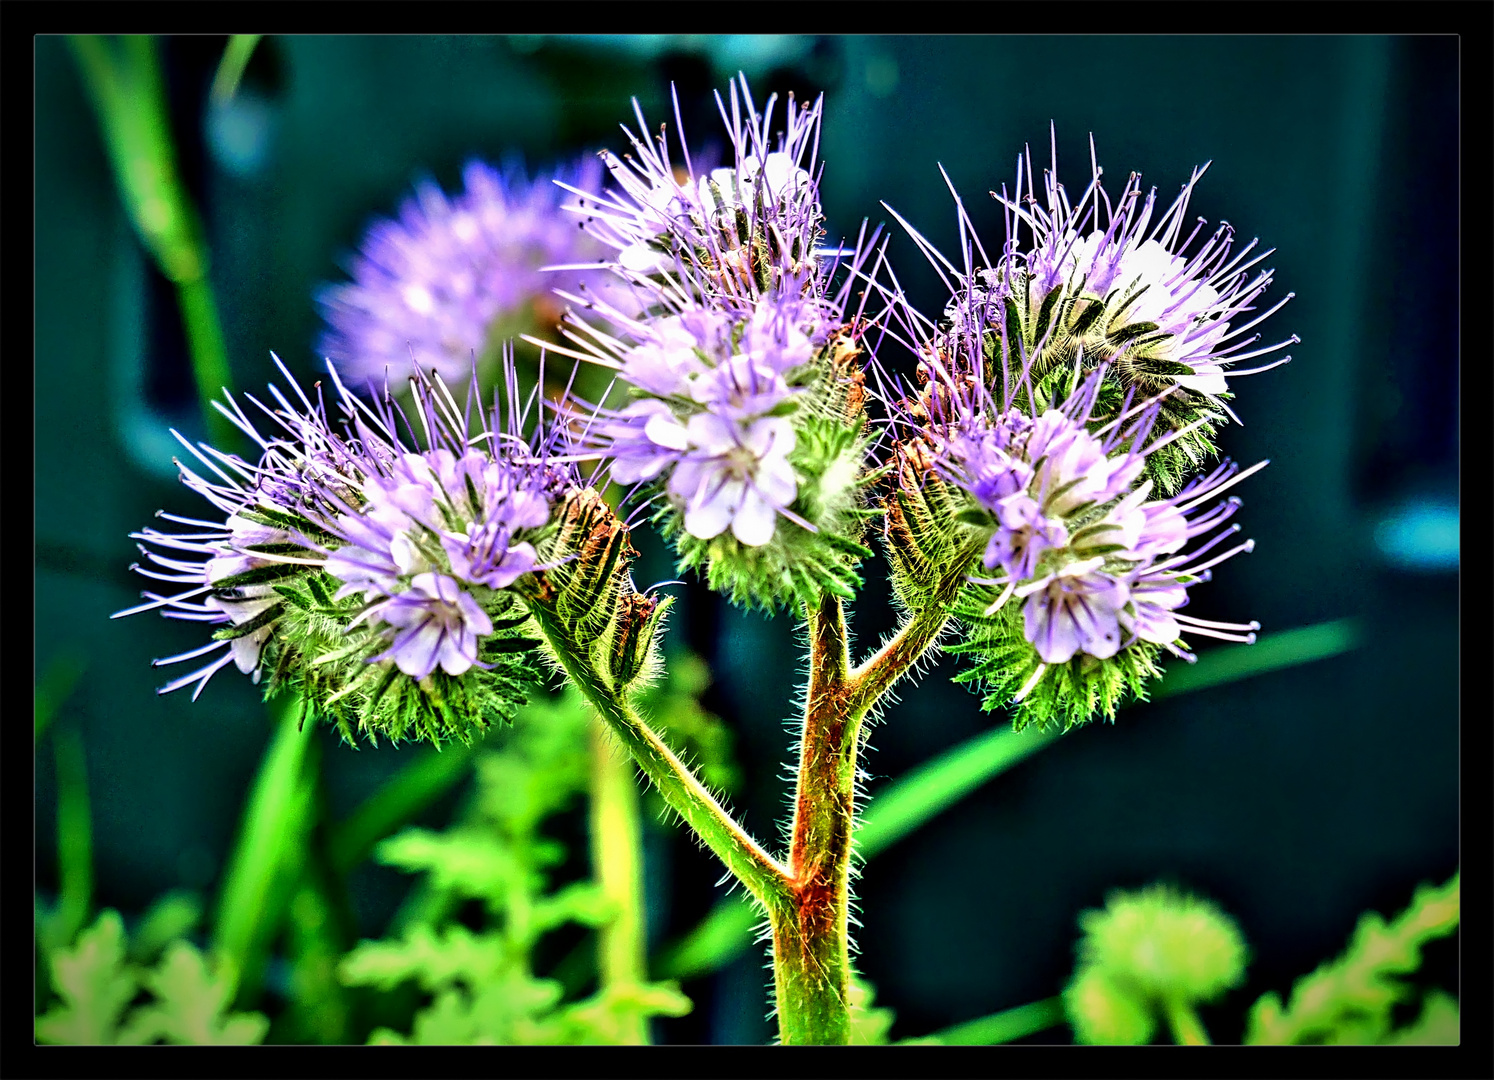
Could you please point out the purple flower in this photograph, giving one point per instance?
(427, 537)
(435, 623)
(735, 477)
(1074, 609)
(730, 234)
(1102, 252)
(454, 276)
(713, 419)
(1075, 531)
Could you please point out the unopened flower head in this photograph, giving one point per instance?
(374, 576)
(453, 277)
(1145, 955)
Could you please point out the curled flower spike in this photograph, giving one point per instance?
(1045, 490)
(746, 420)
(381, 579)
(453, 277)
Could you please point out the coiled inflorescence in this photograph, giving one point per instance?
(1050, 471)
(745, 418)
(375, 576)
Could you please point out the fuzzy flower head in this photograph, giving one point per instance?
(381, 579)
(453, 277)
(744, 427)
(744, 420)
(736, 233)
(1147, 955)
(1078, 567)
(1167, 310)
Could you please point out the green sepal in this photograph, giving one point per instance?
(258, 622)
(1002, 661)
(261, 575)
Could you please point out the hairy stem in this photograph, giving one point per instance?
(764, 876)
(869, 682)
(617, 864)
(811, 943)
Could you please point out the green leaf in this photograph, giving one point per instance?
(463, 861)
(1002, 1027)
(171, 917)
(268, 845)
(191, 1005)
(1350, 999)
(1438, 1025)
(435, 959)
(94, 985)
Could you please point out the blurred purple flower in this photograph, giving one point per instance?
(454, 276)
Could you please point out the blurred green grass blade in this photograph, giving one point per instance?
(914, 798)
(1271, 652)
(419, 784)
(1001, 1027)
(910, 801)
(125, 83)
(54, 687)
(269, 835)
(722, 936)
(231, 68)
(74, 839)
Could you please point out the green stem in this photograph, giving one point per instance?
(74, 839)
(231, 68)
(811, 943)
(764, 877)
(1187, 1029)
(869, 682)
(617, 862)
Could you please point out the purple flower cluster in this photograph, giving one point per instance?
(1097, 563)
(425, 536)
(732, 233)
(742, 304)
(1140, 275)
(715, 415)
(452, 277)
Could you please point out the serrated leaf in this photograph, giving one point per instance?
(95, 985)
(433, 959)
(191, 1005)
(465, 861)
(1349, 999)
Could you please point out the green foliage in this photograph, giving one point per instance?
(97, 984)
(482, 982)
(1147, 955)
(1350, 999)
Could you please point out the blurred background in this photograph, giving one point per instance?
(1296, 799)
